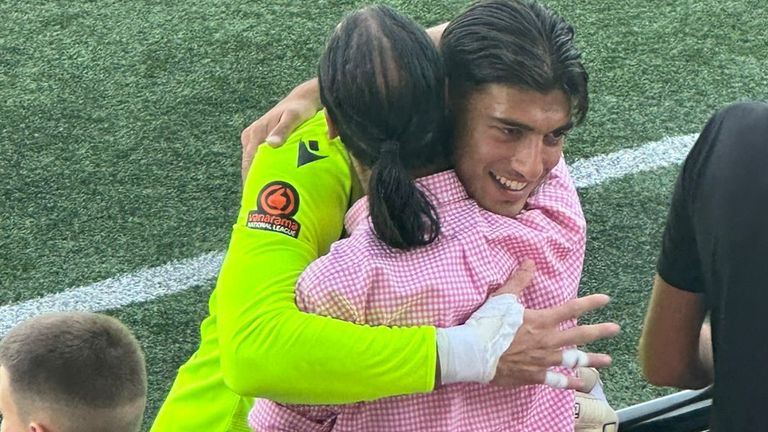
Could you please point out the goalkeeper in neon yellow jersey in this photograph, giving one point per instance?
(255, 342)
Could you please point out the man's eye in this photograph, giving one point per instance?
(554, 139)
(512, 132)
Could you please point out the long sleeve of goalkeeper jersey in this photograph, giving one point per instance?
(292, 210)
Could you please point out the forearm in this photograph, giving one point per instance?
(308, 91)
(676, 345)
(270, 349)
(329, 361)
(699, 373)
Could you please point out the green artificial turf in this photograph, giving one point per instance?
(120, 124)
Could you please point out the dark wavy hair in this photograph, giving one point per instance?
(519, 43)
(383, 84)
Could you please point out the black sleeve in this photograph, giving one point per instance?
(679, 264)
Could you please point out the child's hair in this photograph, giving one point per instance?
(82, 371)
(382, 82)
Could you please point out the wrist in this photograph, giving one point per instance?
(471, 352)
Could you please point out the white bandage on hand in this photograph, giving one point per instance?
(573, 358)
(471, 352)
(556, 380)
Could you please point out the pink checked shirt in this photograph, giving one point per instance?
(364, 281)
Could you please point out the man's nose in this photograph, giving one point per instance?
(528, 159)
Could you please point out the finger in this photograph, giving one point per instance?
(519, 279)
(573, 358)
(577, 307)
(247, 161)
(250, 145)
(250, 139)
(556, 380)
(289, 121)
(549, 358)
(584, 334)
(597, 360)
(572, 382)
(575, 383)
(255, 133)
(245, 135)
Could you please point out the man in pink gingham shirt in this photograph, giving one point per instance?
(364, 281)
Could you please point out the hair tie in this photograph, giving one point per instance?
(390, 146)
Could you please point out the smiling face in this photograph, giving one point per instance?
(507, 140)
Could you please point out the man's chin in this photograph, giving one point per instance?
(506, 209)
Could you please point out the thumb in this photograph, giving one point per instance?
(288, 122)
(519, 279)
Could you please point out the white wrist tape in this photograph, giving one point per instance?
(470, 352)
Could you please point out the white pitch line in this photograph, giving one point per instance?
(112, 293)
(657, 154)
(176, 276)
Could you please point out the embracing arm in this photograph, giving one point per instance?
(676, 344)
(268, 347)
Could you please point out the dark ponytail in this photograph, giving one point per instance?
(382, 82)
(401, 214)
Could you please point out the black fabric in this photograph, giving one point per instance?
(716, 243)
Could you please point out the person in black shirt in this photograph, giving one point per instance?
(714, 261)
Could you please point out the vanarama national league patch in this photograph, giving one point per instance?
(276, 204)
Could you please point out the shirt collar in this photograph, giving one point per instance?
(441, 188)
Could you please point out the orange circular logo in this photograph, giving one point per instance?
(279, 199)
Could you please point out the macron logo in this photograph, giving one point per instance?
(306, 156)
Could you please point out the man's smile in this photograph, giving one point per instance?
(508, 184)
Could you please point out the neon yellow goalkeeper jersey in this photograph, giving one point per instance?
(255, 342)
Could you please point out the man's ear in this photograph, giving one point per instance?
(332, 132)
(37, 427)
